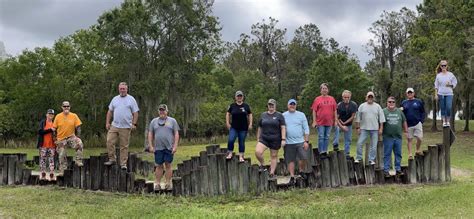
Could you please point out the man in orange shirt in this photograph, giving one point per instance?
(46, 145)
(68, 129)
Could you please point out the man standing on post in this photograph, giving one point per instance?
(414, 110)
(124, 109)
(392, 135)
(68, 129)
(324, 117)
(369, 121)
(297, 140)
(346, 111)
(163, 138)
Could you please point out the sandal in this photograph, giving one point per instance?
(410, 157)
(419, 153)
(241, 159)
(157, 187)
(229, 156)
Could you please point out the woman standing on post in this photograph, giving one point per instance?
(444, 84)
(271, 134)
(238, 120)
(46, 145)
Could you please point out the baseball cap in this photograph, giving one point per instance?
(239, 93)
(291, 101)
(370, 93)
(50, 111)
(272, 101)
(410, 90)
(163, 106)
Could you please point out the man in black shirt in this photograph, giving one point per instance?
(346, 111)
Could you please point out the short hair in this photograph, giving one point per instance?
(391, 97)
(123, 83)
(346, 92)
(323, 84)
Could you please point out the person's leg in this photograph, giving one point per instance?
(112, 137)
(159, 160)
(241, 135)
(373, 145)
(273, 160)
(302, 155)
(418, 132)
(51, 152)
(42, 159)
(327, 132)
(230, 141)
(321, 139)
(335, 142)
(62, 156)
(449, 106)
(397, 149)
(348, 140)
(289, 153)
(259, 149)
(124, 136)
(168, 175)
(362, 137)
(76, 143)
(409, 144)
(442, 107)
(387, 149)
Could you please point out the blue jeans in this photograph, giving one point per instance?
(323, 138)
(374, 135)
(390, 144)
(233, 134)
(445, 104)
(347, 138)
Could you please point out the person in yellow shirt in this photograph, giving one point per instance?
(68, 129)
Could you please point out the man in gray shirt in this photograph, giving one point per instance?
(163, 138)
(369, 121)
(124, 109)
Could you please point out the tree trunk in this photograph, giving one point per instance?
(467, 112)
(454, 109)
(435, 112)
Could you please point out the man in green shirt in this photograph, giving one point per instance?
(392, 135)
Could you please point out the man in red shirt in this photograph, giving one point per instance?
(324, 117)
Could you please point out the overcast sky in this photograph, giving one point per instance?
(25, 24)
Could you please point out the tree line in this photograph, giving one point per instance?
(171, 52)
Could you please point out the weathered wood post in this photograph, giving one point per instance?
(360, 173)
(419, 168)
(325, 172)
(426, 166)
(447, 141)
(411, 171)
(334, 166)
(351, 172)
(343, 170)
(434, 163)
(441, 163)
(213, 177)
(222, 173)
(380, 155)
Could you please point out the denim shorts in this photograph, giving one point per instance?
(162, 156)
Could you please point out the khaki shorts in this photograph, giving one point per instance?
(416, 131)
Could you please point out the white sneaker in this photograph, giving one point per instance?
(371, 162)
(356, 161)
(444, 124)
(447, 124)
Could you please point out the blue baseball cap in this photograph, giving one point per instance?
(291, 101)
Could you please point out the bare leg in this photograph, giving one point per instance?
(273, 160)
(260, 148)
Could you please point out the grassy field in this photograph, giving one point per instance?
(454, 199)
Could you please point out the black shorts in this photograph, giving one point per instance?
(270, 143)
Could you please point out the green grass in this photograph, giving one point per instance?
(454, 199)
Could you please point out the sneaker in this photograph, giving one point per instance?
(371, 162)
(157, 187)
(398, 172)
(79, 163)
(324, 155)
(168, 186)
(262, 168)
(447, 124)
(271, 176)
(386, 174)
(110, 162)
(123, 167)
(304, 176)
(356, 161)
(292, 181)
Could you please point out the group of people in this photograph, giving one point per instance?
(289, 130)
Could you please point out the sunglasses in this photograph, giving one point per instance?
(292, 104)
(161, 109)
(391, 101)
(66, 106)
(370, 96)
(443, 65)
(409, 92)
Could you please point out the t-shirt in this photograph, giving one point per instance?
(163, 131)
(48, 141)
(66, 125)
(442, 79)
(123, 108)
(392, 128)
(370, 116)
(414, 111)
(325, 107)
(239, 113)
(345, 110)
(270, 126)
(296, 127)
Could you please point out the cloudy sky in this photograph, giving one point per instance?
(25, 24)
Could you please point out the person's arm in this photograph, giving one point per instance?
(422, 110)
(78, 131)
(258, 133)
(250, 120)
(43, 131)
(283, 135)
(150, 142)
(454, 81)
(108, 117)
(381, 120)
(134, 120)
(436, 88)
(176, 141)
(314, 119)
(227, 120)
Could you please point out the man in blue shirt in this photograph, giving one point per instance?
(297, 135)
(414, 110)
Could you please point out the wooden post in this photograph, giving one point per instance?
(350, 170)
(177, 186)
(316, 156)
(404, 176)
(426, 166)
(411, 171)
(366, 156)
(5, 170)
(36, 159)
(263, 180)
(149, 187)
(232, 175)
(187, 184)
(26, 176)
(203, 158)
(113, 178)
(18, 172)
(140, 184)
(76, 176)
(2, 167)
(334, 165)
(102, 176)
(87, 171)
(419, 168)
(195, 162)
(243, 177)
(68, 178)
(222, 174)
(195, 182)
(204, 180)
(272, 185)
(95, 172)
(130, 181)
(253, 180)
(343, 170)
(380, 155)
(325, 172)
(370, 174)
(12, 160)
(213, 177)
(379, 176)
(447, 152)
(211, 149)
(122, 181)
(441, 163)
(359, 173)
(434, 163)
(317, 176)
